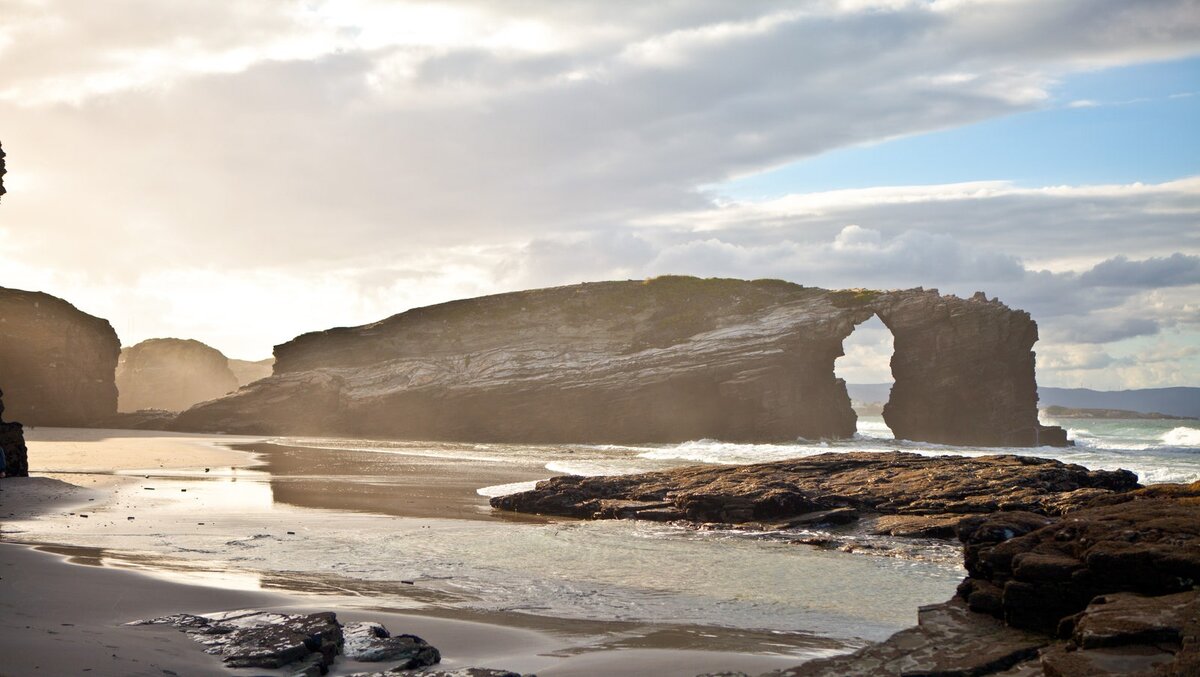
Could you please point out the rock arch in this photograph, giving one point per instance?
(963, 370)
(662, 360)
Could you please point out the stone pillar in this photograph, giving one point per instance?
(963, 370)
(12, 441)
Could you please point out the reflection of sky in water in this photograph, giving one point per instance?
(226, 579)
(222, 490)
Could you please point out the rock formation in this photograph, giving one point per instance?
(171, 374)
(667, 359)
(306, 645)
(56, 362)
(12, 445)
(1109, 588)
(247, 372)
(964, 372)
(3, 171)
(930, 492)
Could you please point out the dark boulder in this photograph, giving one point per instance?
(12, 445)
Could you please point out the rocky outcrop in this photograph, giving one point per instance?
(12, 445)
(1110, 588)
(171, 374)
(263, 639)
(662, 360)
(964, 372)
(247, 372)
(3, 171)
(1037, 577)
(306, 645)
(829, 488)
(57, 363)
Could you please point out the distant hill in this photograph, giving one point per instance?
(868, 393)
(1055, 411)
(1174, 401)
(1181, 401)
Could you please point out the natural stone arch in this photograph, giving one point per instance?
(851, 372)
(963, 370)
(662, 360)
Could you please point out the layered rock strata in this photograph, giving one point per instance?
(662, 360)
(1109, 588)
(932, 494)
(12, 445)
(57, 363)
(171, 374)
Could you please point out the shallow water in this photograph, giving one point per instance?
(406, 525)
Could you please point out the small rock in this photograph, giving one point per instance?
(372, 643)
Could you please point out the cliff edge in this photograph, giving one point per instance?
(662, 360)
(57, 363)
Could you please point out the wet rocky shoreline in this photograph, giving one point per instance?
(1070, 571)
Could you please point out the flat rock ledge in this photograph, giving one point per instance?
(1109, 588)
(306, 645)
(906, 494)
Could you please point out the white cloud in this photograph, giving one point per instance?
(368, 156)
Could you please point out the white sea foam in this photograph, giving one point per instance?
(713, 451)
(1183, 436)
(594, 468)
(506, 489)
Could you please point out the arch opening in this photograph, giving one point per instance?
(866, 367)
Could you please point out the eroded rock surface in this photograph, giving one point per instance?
(372, 643)
(262, 639)
(57, 363)
(1110, 588)
(303, 643)
(948, 640)
(661, 360)
(171, 374)
(1148, 544)
(829, 488)
(12, 445)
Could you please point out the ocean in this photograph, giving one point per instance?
(405, 525)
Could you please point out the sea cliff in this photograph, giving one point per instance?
(661, 360)
(57, 363)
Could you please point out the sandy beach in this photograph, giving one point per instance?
(66, 600)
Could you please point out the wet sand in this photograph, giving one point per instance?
(45, 591)
(402, 485)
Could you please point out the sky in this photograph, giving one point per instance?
(241, 173)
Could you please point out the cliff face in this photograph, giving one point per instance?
(12, 445)
(247, 372)
(668, 359)
(964, 372)
(56, 362)
(171, 374)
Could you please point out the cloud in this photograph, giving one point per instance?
(367, 156)
(299, 133)
(1174, 271)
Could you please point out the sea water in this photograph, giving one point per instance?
(239, 523)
